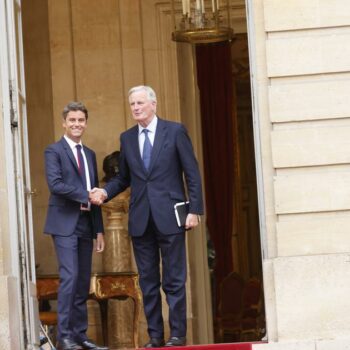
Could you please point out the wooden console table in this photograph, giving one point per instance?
(104, 286)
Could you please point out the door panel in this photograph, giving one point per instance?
(14, 103)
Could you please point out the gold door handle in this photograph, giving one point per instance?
(32, 192)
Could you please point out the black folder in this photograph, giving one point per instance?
(181, 211)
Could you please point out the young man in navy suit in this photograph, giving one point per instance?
(156, 155)
(74, 223)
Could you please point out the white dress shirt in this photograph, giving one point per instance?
(151, 127)
(73, 147)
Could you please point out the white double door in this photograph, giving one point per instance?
(22, 262)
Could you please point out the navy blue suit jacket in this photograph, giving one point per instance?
(66, 190)
(159, 188)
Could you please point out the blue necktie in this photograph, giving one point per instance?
(147, 149)
(81, 166)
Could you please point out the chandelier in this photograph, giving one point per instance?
(202, 22)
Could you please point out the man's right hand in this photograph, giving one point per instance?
(97, 196)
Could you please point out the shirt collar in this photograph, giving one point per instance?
(152, 126)
(71, 143)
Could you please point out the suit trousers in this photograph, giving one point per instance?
(148, 249)
(74, 255)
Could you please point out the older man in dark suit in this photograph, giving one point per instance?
(155, 157)
(73, 222)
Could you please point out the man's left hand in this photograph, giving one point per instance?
(191, 221)
(100, 243)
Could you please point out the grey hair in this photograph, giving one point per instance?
(151, 95)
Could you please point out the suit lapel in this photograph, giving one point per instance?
(70, 154)
(88, 156)
(159, 138)
(74, 162)
(135, 147)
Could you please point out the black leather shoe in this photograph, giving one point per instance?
(88, 344)
(176, 341)
(67, 344)
(154, 343)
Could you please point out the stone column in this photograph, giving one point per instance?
(117, 258)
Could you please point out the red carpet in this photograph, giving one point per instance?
(224, 346)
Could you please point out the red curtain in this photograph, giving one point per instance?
(215, 83)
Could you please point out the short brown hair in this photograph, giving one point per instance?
(74, 106)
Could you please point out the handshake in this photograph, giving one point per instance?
(97, 196)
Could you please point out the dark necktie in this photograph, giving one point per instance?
(81, 166)
(147, 149)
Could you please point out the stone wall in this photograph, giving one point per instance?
(301, 79)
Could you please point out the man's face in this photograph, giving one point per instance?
(75, 125)
(142, 108)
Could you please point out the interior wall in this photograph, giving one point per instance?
(85, 44)
(99, 52)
